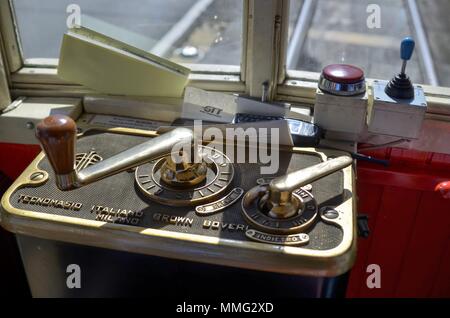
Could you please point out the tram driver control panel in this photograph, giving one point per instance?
(124, 190)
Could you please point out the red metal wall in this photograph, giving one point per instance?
(14, 158)
(409, 223)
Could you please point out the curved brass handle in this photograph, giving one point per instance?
(57, 135)
(281, 188)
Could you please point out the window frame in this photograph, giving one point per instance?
(37, 76)
(11, 44)
(263, 59)
(5, 97)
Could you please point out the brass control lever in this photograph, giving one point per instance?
(57, 135)
(280, 199)
(282, 206)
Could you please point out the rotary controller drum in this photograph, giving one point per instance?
(193, 204)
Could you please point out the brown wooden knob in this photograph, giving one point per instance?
(57, 134)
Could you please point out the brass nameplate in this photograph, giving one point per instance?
(114, 215)
(293, 239)
(218, 225)
(173, 219)
(48, 202)
(220, 204)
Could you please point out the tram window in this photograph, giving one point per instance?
(188, 31)
(367, 33)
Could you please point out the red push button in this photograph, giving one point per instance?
(342, 80)
(343, 73)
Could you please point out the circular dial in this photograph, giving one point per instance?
(219, 176)
(256, 216)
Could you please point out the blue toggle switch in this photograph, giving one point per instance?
(407, 48)
(400, 86)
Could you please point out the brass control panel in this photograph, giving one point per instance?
(127, 192)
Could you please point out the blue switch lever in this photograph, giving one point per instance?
(400, 86)
(406, 51)
(407, 48)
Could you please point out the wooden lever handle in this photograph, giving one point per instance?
(57, 134)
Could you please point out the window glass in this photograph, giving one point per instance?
(190, 31)
(368, 33)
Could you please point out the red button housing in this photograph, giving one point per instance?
(343, 73)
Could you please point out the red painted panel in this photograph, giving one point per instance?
(410, 236)
(441, 286)
(440, 160)
(408, 157)
(427, 246)
(14, 158)
(393, 226)
(418, 179)
(369, 199)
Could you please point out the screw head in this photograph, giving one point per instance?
(330, 213)
(37, 176)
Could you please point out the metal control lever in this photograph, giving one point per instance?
(282, 206)
(400, 86)
(57, 135)
(280, 200)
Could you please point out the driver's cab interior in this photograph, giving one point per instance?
(245, 148)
